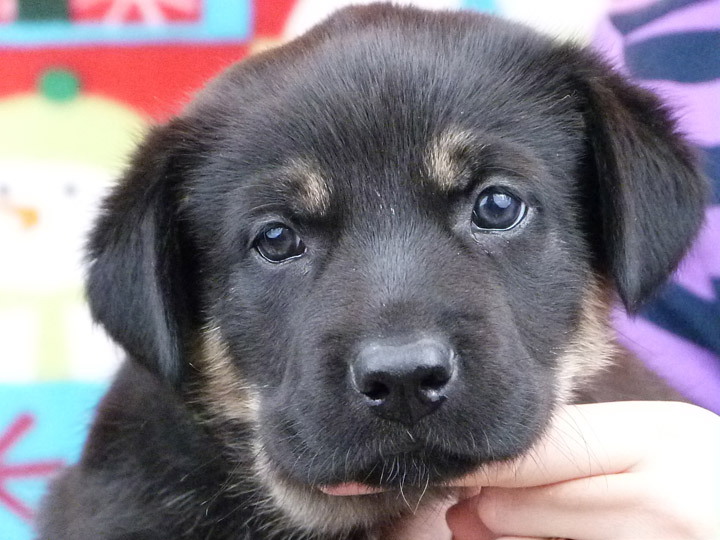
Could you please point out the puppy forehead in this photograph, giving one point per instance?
(361, 116)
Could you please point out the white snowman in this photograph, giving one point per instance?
(59, 152)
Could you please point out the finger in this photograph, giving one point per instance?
(428, 523)
(581, 441)
(594, 508)
(464, 522)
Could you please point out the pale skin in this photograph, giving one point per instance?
(611, 471)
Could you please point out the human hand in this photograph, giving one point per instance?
(610, 471)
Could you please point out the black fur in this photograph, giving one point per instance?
(614, 200)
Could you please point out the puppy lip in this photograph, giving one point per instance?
(348, 489)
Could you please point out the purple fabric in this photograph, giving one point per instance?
(609, 42)
(691, 369)
(698, 17)
(703, 262)
(696, 107)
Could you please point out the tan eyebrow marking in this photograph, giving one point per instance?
(444, 159)
(307, 182)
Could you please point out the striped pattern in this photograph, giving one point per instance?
(673, 48)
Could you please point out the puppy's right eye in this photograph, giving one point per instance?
(497, 210)
(278, 243)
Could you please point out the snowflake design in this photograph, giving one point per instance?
(8, 10)
(33, 469)
(152, 12)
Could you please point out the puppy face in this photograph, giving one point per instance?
(390, 245)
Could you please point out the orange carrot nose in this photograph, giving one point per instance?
(28, 215)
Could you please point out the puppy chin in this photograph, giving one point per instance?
(316, 509)
(398, 459)
(414, 469)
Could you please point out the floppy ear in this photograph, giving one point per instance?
(136, 283)
(651, 193)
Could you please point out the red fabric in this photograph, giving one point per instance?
(38, 469)
(270, 17)
(99, 10)
(152, 79)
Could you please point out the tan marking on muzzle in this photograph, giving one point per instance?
(443, 160)
(224, 390)
(229, 397)
(592, 347)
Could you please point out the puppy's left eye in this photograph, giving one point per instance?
(497, 210)
(278, 243)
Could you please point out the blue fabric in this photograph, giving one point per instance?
(683, 57)
(487, 6)
(627, 22)
(50, 423)
(223, 20)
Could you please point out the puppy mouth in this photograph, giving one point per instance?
(349, 489)
(414, 469)
(397, 459)
(408, 475)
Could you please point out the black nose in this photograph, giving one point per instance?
(404, 382)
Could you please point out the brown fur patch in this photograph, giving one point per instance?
(444, 159)
(591, 349)
(223, 390)
(309, 185)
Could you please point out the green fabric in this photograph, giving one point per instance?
(42, 10)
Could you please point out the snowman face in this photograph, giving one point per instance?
(57, 159)
(46, 209)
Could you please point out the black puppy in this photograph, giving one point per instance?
(381, 255)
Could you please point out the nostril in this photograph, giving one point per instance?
(436, 380)
(376, 390)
